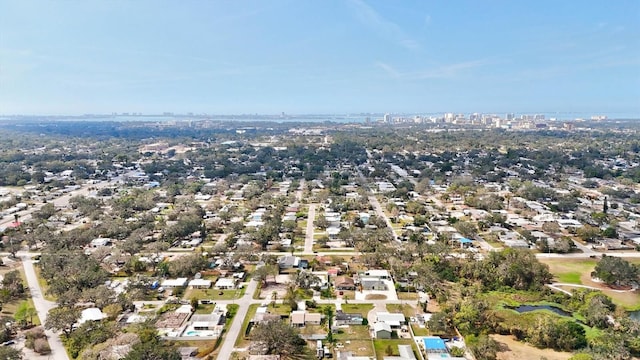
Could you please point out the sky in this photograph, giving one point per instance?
(331, 56)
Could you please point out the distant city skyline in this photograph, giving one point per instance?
(329, 57)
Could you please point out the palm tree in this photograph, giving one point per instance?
(274, 297)
(291, 297)
(328, 312)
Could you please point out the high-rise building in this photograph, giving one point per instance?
(387, 118)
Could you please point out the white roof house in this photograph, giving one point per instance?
(91, 314)
(174, 282)
(378, 273)
(200, 283)
(391, 319)
(225, 283)
(99, 242)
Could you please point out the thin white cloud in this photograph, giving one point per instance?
(384, 27)
(437, 72)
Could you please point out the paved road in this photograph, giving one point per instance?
(378, 208)
(236, 325)
(587, 250)
(42, 307)
(380, 212)
(308, 238)
(299, 191)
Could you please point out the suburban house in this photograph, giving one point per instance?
(300, 318)
(226, 283)
(288, 262)
(382, 330)
(174, 283)
(377, 273)
(343, 318)
(405, 353)
(372, 283)
(200, 284)
(394, 320)
(91, 314)
(344, 283)
(263, 315)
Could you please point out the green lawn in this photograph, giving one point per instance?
(402, 295)
(205, 308)
(569, 278)
(213, 294)
(570, 270)
(382, 347)
(418, 331)
(43, 284)
(352, 332)
(242, 341)
(362, 309)
(405, 309)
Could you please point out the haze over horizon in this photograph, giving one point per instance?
(334, 56)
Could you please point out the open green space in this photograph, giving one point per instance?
(405, 309)
(389, 347)
(362, 309)
(352, 332)
(578, 271)
(213, 294)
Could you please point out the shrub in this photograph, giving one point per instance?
(41, 346)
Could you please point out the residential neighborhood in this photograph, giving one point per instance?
(341, 242)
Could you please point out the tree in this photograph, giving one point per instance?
(388, 350)
(276, 337)
(466, 228)
(328, 313)
(610, 232)
(305, 279)
(588, 233)
(597, 309)
(9, 353)
(615, 271)
(262, 274)
(291, 296)
(483, 347)
(440, 323)
(25, 313)
(62, 319)
(12, 286)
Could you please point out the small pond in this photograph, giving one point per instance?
(635, 315)
(527, 308)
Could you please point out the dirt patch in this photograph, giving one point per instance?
(267, 292)
(376, 297)
(511, 349)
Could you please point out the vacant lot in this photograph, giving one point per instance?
(512, 349)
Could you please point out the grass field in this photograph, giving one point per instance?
(213, 294)
(406, 309)
(362, 309)
(382, 346)
(570, 270)
(578, 271)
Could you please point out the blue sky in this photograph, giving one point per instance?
(330, 56)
